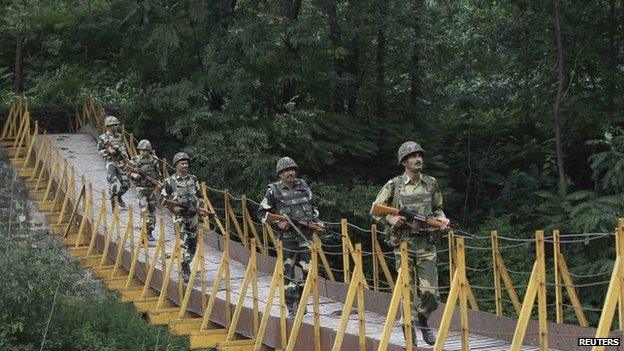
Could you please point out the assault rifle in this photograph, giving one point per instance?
(380, 210)
(194, 211)
(317, 226)
(129, 167)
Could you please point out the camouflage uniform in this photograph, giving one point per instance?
(187, 192)
(296, 204)
(147, 196)
(424, 197)
(114, 164)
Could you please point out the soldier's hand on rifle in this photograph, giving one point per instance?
(177, 209)
(283, 225)
(396, 221)
(203, 212)
(112, 150)
(445, 221)
(135, 175)
(320, 227)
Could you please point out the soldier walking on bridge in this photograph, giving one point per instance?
(111, 147)
(183, 188)
(292, 197)
(420, 193)
(147, 183)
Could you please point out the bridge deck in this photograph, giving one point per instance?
(80, 151)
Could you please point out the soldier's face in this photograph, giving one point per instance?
(414, 162)
(144, 152)
(288, 175)
(182, 166)
(114, 128)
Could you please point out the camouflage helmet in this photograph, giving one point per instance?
(179, 157)
(144, 144)
(285, 163)
(111, 121)
(408, 148)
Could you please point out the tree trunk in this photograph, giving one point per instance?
(380, 91)
(226, 12)
(352, 65)
(291, 8)
(612, 52)
(414, 70)
(18, 82)
(335, 37)
(558, 123)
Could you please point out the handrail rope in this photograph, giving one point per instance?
(515, 239)
(589, 275)
(580, 285)
(575, 241)
(479, 269)
(593, 309)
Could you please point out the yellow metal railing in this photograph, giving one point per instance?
(53, 182)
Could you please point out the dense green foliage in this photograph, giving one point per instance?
(85, 317)
(42, 289)
(339, 84)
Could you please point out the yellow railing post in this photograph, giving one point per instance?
(250, 275)
(451, 255)
(175, 258)
(160, 249)
(114, 224)
(619, 249)
(497, 284)
(310, 281)
(558, 288)
(277, 277)
(463, 293)
(527, 306)
(356, 290)
(198, 262)
(541, 290)
(121, 244)
(344, 229)
(608, 310)
(375, 258)
(399, 295)
(101, 218)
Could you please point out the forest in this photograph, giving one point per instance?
(518, 104)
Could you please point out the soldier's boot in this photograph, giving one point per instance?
(150, 237)
(122, 204)
(428, 335)
(292, 310)
(186, 271)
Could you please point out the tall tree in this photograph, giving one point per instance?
(291, 10)
(558, 100)
(414, 68)
(338, 54)
(380, 63)
(18, 80)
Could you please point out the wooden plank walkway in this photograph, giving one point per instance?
(80, 151)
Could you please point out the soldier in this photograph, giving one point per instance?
(149, 165)
(183, 188)
(420, 193)
(111, 147)
(292, 197)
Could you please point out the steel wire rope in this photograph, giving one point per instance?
(579, 285)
